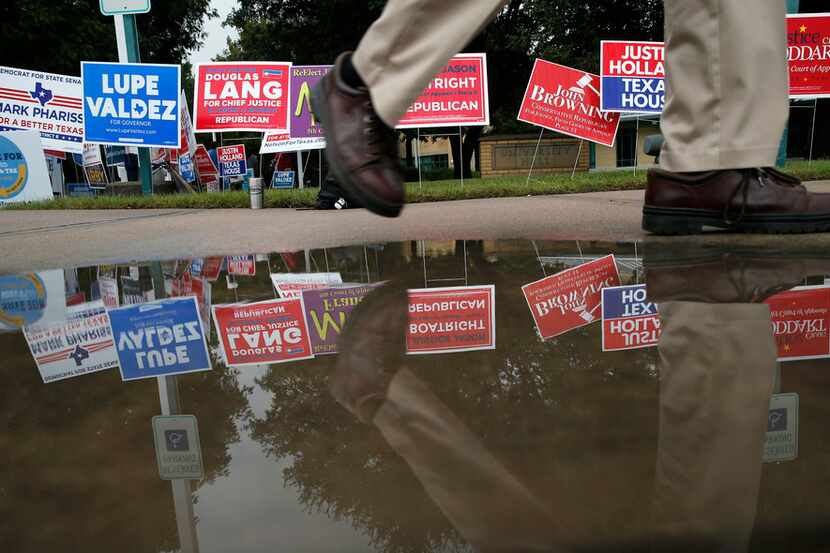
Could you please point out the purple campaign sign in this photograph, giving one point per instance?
(303, 79)
(326, 311)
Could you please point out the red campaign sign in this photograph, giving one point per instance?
(567, 101)
(211, 267)
(204, 165)
(570, 299)
(242, 96)
(55, 153)
(243, 265)
(273, 331)
(800, 322)
(457, 96)
(448, 320)
(808, 52)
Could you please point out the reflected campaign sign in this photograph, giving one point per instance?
(162, 338)
(306, 132)
(81, 344)
(291, 285)
(456, 96)
(566, 100)
(570, 299)
(449, 320)
(108, 287)
(32, 298)
(781, 439)
(800, 320)
(272, 331)
(629, 321)
(24, 176)
(45, 102)
(632, 76)
(327, 311)
(808, 52)
(242, 96)
(131, 103)
(244, 265)
(232, 162)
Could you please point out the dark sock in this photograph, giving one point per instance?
(350, 75)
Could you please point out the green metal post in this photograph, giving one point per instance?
(133, 55)
(792, 7)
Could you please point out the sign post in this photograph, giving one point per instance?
(126, 35)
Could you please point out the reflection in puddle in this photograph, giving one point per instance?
(594, 438)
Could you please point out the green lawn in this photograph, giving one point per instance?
(431, 191)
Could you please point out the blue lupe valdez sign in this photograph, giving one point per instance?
(131, 104)
(160, 338)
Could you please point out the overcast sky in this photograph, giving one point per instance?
(217, 35)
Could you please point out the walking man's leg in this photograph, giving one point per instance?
(366, 94)
(726, 108)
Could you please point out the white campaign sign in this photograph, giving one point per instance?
(24, 176)
(291, 285)
(81, 344)
(46, 103)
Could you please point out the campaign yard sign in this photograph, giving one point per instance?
(131, 103)
(232, 162)
(187, 136)
(282, 180)
(808, 52)
(567, 101)
(186, 168)
(327, 311)
(243, 265)
(273, 331)
(161, 338)
(572, 298)
(44, 102)
(291, 285)
(242, 96)
(800, 319)
(81, 344)
(204, 164)
(24, 176)
(457, 96)
(115, 155)
(449, 320)
(632, 76)
(629, 320)
(305, 131)
(96, 176)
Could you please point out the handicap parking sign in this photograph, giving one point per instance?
(131, 104)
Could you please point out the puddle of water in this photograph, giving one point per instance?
(486, 437)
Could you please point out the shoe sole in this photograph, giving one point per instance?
(365, 199)
(679, 221)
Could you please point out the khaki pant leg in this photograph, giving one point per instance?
(716, 377)
(726, 84)
(410, 42)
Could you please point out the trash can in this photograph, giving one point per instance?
(255, 186)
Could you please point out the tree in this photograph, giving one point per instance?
(56, 36)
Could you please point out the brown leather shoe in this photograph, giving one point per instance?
(362, 151)
(748, 200)
(371, 350)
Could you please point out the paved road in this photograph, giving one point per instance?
(35, 240)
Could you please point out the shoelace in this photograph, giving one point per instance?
(764, 176)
